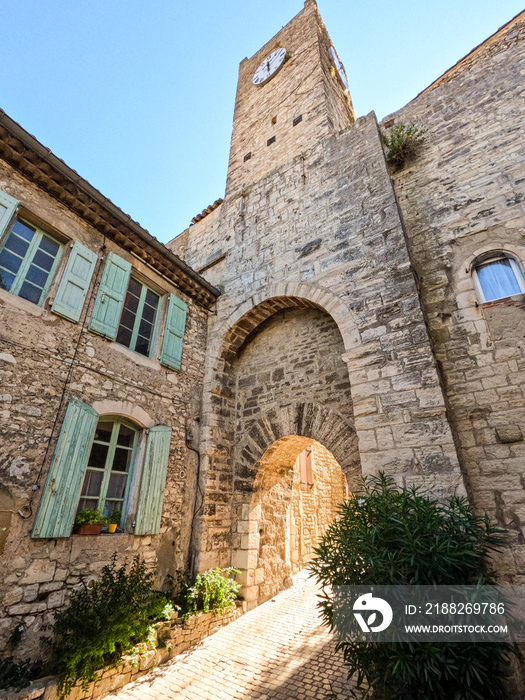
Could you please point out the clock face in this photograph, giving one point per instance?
(340, 67)
(269, 67)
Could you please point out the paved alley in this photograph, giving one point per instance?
(279, 650)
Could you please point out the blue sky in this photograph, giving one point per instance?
(138, 95)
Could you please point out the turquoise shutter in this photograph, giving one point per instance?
(8, 206)
(110, 297)
(74, 285)
(171, 354)
(56, 512)
(153, 481)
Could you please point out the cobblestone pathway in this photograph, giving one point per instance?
(279, 650)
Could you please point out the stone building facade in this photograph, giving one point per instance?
(371, 315)
(65, 383)
(353, 311)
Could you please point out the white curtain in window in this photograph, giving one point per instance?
(497, 279)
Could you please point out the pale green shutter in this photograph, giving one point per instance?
(56, 512)
(8, 207)
(74, 285)
(171, 354)
(153, 481)
(110, 297)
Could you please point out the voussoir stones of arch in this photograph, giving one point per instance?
(304, 419)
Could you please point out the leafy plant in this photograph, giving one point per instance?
(392, 536)
(115, 516)
(17, 675)
(212, 591)
(104, 621)
(90, 517)
(402, 142)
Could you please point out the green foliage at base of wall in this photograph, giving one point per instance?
(387, 535)
(212, 591)
(16, 675)
(103, 621)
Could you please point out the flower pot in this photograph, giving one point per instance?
(112, 527)
(90, 529)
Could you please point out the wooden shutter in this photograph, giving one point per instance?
(8, 207)
(74, 285)
(153, 481)
(171, 354)
(110, 297)
(56, 512)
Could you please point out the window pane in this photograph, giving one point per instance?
(103, 431)
(37, 276)
(121, 460)
(110, 506)
(48, 245)
(23, 230)
(152, 299)
(6, 280)
(117, 485)
(90, 503)
(92, 483)
(124, 336)
(98, 456)
(134, 287)
(125, 436)
(128, 319)
(142, 346)
(9, 261)
(43, 260)
(149, 313)
(30, 292)
(497, 280)
(17, 245)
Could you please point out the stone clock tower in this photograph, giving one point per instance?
(290, 94)
(319, 334)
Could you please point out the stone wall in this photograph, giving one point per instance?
(319, 232)
(169, 639)
(462, 196)
(45, 361)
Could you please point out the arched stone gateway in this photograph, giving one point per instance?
(296, 492)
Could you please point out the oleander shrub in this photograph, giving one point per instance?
(104, 620)
(386, 535)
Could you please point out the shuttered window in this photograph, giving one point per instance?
(171, 355)
(56, 512)
(110, 297)
(153, 481)
(74, 285)
(138, 319)
(28, 260)
(305, 468)
(106, 478)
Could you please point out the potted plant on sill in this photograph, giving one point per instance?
(114, 520)
(89, 522)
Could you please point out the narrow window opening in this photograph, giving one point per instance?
(270, 141)
(247, 156)
(298, 120)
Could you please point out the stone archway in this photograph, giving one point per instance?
(285, 520)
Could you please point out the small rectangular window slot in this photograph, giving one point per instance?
(247, 156)
(270, 141)
(298, 120)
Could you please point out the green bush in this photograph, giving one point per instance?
(104, 620)
(212, 591)
(392, 536)
(402, 142)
